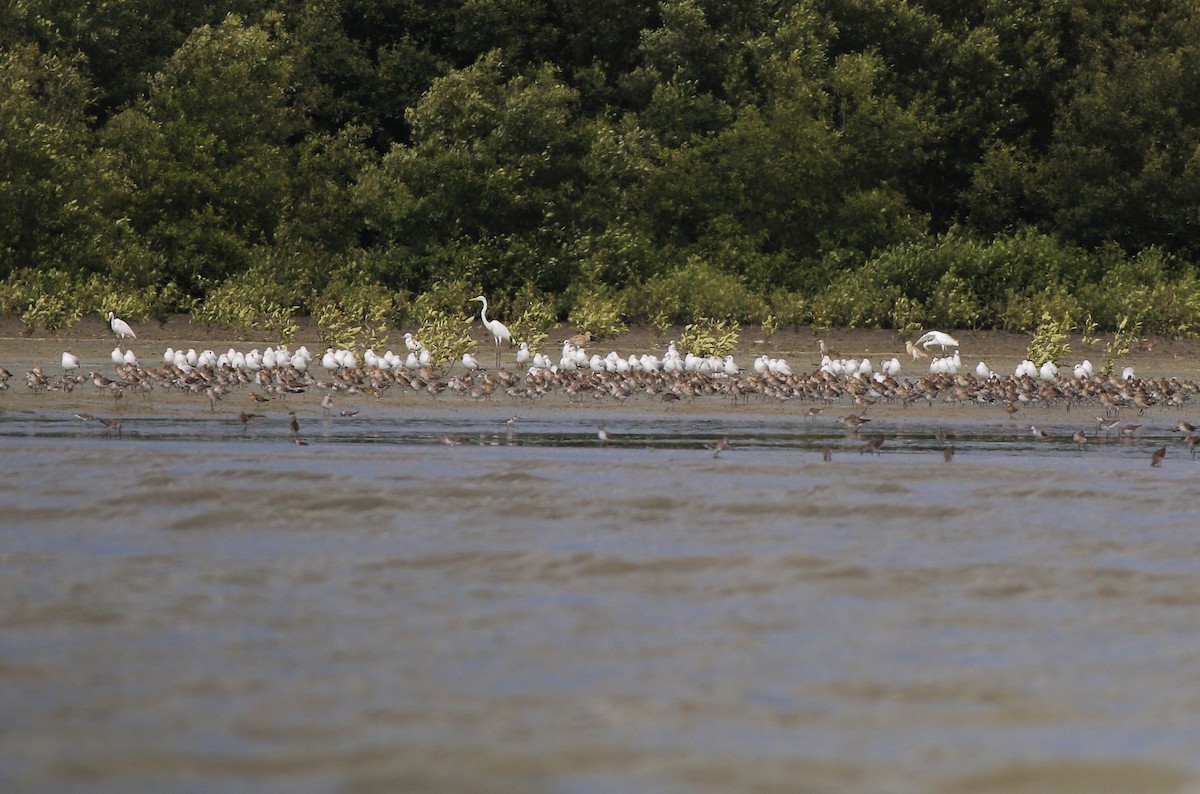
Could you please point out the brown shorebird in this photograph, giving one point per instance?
(1105, 424)
(327, 403)
(603, 435)
(245, 418)
(345, 412)
(948, 453)
(1127, 431)
(258, 398)
(1080, 438)
(295, 424)
(1037, 431)
(111, 424)
(1156, 457)
(1184, 426)
(872, 446)
(853, 421)
(720, 446)
(826, 453)
(816, 409)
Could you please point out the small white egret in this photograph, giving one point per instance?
(938, 338)
(498, 329)
(120, 327)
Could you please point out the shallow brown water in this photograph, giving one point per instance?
(189, 608)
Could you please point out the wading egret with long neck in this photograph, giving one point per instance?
(938, 338)
(499, 330)
(120, 327)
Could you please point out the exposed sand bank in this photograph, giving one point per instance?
(93, 342)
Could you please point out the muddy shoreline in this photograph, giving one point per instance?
(92, 341)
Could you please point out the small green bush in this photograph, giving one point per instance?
(248, 305)
(1050, 340)
(693, 290)
(708, 337)
(599, 313)
(533, 324)
(446, 336)
(355, 313)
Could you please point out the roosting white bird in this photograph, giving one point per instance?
(937, 338)
(499, 330)
(70, 361)
(120, 327)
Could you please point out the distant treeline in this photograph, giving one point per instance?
(843, 162)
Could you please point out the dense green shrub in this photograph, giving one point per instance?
(598, 313)
(707, 337)
(693, 290)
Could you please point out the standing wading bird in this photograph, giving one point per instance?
(1156, 458)
(499, 330)
(70, 361)
(938, 338)
(120, 327)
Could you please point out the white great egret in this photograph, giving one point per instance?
(938, 338)
(499, 330)
(120, 327)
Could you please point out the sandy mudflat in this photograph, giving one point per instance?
(93, 342)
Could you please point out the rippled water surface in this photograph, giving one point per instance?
(191, 605)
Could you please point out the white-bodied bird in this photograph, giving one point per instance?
(120, 327)
(499, 330)
(938, 338)
(70, 361)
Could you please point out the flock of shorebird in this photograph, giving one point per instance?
(277, 373)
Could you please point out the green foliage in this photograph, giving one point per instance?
(533, 324)
(445, 297)
(788, 307)
(1050, 340)
(708, 337)
(693, 290)
(357, 318)
(445, 335)
(887, 164)
(136, 303)
(251, 304)
(355, 312)
(1124, 339)
(49, 299)
(597, 313)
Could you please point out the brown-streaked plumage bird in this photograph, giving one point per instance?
(826, 453)
(1156, 457)
(872, 446)
(948, 453)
